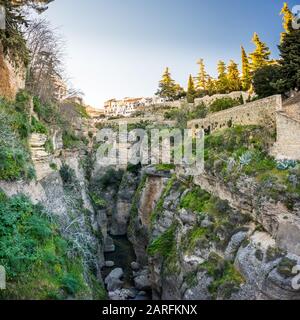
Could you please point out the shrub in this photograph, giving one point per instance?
(70, 283)
(70, 141)
(223, 104)
(38, 127)
(195, 200)
(67, 174)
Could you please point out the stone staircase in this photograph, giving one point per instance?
(40, 157)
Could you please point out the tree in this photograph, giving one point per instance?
(222, 83)
(202, 76)
(286, 20)
(11, 39)
(265, 79)
(211, 86)
(167, 87)
(246, 74)
(191, 92)
(261, 55)
(290, 62)
(45, 71)
(234, 81)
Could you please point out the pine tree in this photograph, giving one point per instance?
(233, 77)
(167, 87)
(246, 74)
(202, 76)
(287, 20)
(211, 86)
(260, 57)
(222, 83)
(191, 92)
(290, 62)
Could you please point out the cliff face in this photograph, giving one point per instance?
(12, 78)
(68, 202)
(215, 245)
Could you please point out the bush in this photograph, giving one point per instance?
(195, 200)
(223, 104)
(67, 174)
(70, 141)
(38, 127)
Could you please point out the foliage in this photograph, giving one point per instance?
(234, 81)
(290, 62)
(38, 127)
(223, 104)
(191, 92)
(265, 79)
(168, 88)
(34, 254)
(47, 112)
(67, 174)
(70, 141)
(165, 244)
(246, 74)
(15, 162)
(195, 200)
(260, 56)
(226, 279)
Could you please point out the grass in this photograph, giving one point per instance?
(195, 200)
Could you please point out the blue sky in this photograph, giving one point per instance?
(118, 48)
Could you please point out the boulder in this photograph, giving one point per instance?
(135, 266)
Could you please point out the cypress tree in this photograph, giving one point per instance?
(246, 74)
(202, 76)
(234, 81)
(261, 55)
(191, 92)
(222, 82)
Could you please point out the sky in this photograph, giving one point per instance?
(119, 48)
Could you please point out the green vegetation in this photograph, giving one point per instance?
(15, 161)
(195, 200)
(159, 206)
(224, 103)
(35, 255)
(285, 267)
(223, 222)
(165, 167)
(243, 151)
(226, 279)
(70, 141)
(165, 246)
(38, 127)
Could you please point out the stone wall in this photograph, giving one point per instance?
(233, 95)
(11, 78)
(287, 145)
(260, 112)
